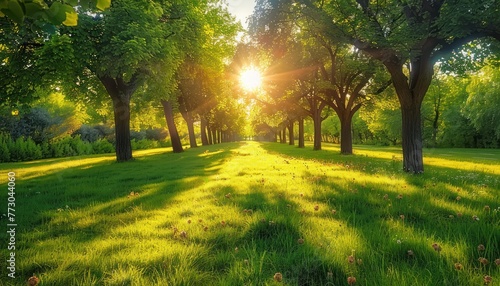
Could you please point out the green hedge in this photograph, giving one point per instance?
(25, 149)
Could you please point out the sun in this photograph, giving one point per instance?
(251, 79)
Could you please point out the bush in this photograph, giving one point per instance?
(102, 146)
(144, 144)
(4, 148)
(157, 134)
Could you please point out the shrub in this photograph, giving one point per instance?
(157, 134)
(102, 146)
(4, 148)
(144, 144)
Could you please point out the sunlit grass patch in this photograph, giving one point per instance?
(236, 214)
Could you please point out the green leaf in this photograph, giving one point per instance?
(15, 11)
(58, 12)
(103, 4)
(33, 10)
(72, 3)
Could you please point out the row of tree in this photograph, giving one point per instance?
(163, 54)
(341, 54)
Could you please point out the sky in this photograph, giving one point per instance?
(241, 9)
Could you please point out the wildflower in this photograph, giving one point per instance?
(300, 241)
(410, 253)
(386, 197)
(459, 214)
(402, 216)
(228, 195)
(236, 249)
(278, 277)
(451, 216)
(398, 241)
(316, 207)
(458, 198)
(487, 279)
(334, 212)
(475, 217)
(271, 222)
(359, 261)
(263, 220)
(400, 196)
(189, 221)
(487, 208)
(249, 211)
(497, 261)
(458, 266)
(200, 220)
(351, 280)
(205, 228)
(223, 223)
(301, 194)
(33, 280)
(436, 247)
(350, 259)
(483, 260)
(480, 247)
(245, 261)
(329, 275)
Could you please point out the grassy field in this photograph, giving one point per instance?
(238, 213)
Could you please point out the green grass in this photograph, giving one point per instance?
(233, 214)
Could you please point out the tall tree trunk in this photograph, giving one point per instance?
(214, 134)
(411, 94)
(317, 131)
(121, 93)
(209, 135)
(203, 130)
(301, 133)
(412, 139)
(283, 135)
(172, 129)
(291, 135)
(346, 134)
(190, 125)
(121, 108)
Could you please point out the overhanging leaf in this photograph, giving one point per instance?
(71, 19)
(103, 4)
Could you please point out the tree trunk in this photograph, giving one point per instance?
(214, 134)
(203, 129)
(121, 108)
(291, 136)
(412, 139)
(172, 129)
(317, 131)
(209, 135)
(346, 134)
(190, 125)
(301, 133)
(121, 93)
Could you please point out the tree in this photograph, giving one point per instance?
(118, 48)
(53, 12)
(482, 107)
(407, 37)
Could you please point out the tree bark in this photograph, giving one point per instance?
(121, 108)
(291, 135)
(121, 93)
(190, 125)
(172, 129)
(301, 133)
(412, 139)
(317, 132)
(203, 130)
(209, 135)
(346, 134)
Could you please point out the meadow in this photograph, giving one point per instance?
(239, 213)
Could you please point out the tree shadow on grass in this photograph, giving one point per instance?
(435, 207)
